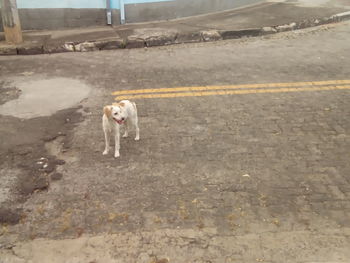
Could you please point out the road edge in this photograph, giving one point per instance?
(170, 38)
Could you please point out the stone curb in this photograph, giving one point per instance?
(172, 38)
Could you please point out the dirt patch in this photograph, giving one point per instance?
(56, 176)
(31, 142)
(25, 155)
(10, 216)
(8, 92)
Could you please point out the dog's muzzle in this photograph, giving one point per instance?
(119, 121)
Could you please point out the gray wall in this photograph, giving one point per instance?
(56, 18)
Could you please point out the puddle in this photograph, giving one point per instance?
(45, 97)
(312, 3)
(304, 3)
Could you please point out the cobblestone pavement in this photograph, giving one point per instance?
(259, 177)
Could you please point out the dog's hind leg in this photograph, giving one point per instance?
(126, 128)
(136, 124)
(117, 141)
(135, 121)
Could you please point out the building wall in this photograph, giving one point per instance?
(61, 4)
(56, 18)
(55, 14)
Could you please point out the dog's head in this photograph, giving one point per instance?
(116, 112)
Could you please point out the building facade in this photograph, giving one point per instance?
(55, 14)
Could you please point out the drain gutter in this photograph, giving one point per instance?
(109, 12)
(122, 11)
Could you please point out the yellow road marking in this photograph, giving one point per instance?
(228, 92)
(225, 87)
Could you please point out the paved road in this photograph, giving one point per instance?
(254, 173)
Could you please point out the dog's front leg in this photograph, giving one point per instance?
(126, 127)
(117, 141)
(107, 139)
(136, 124)
(107, 133)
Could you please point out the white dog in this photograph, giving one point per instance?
(124, 112)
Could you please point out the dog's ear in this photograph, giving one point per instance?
(121, 104)
(107, 110)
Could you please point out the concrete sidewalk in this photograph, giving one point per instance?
(256, 20)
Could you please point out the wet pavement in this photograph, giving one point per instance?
(43, 97)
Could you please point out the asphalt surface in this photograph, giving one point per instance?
(258, 177)
(275, 16)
